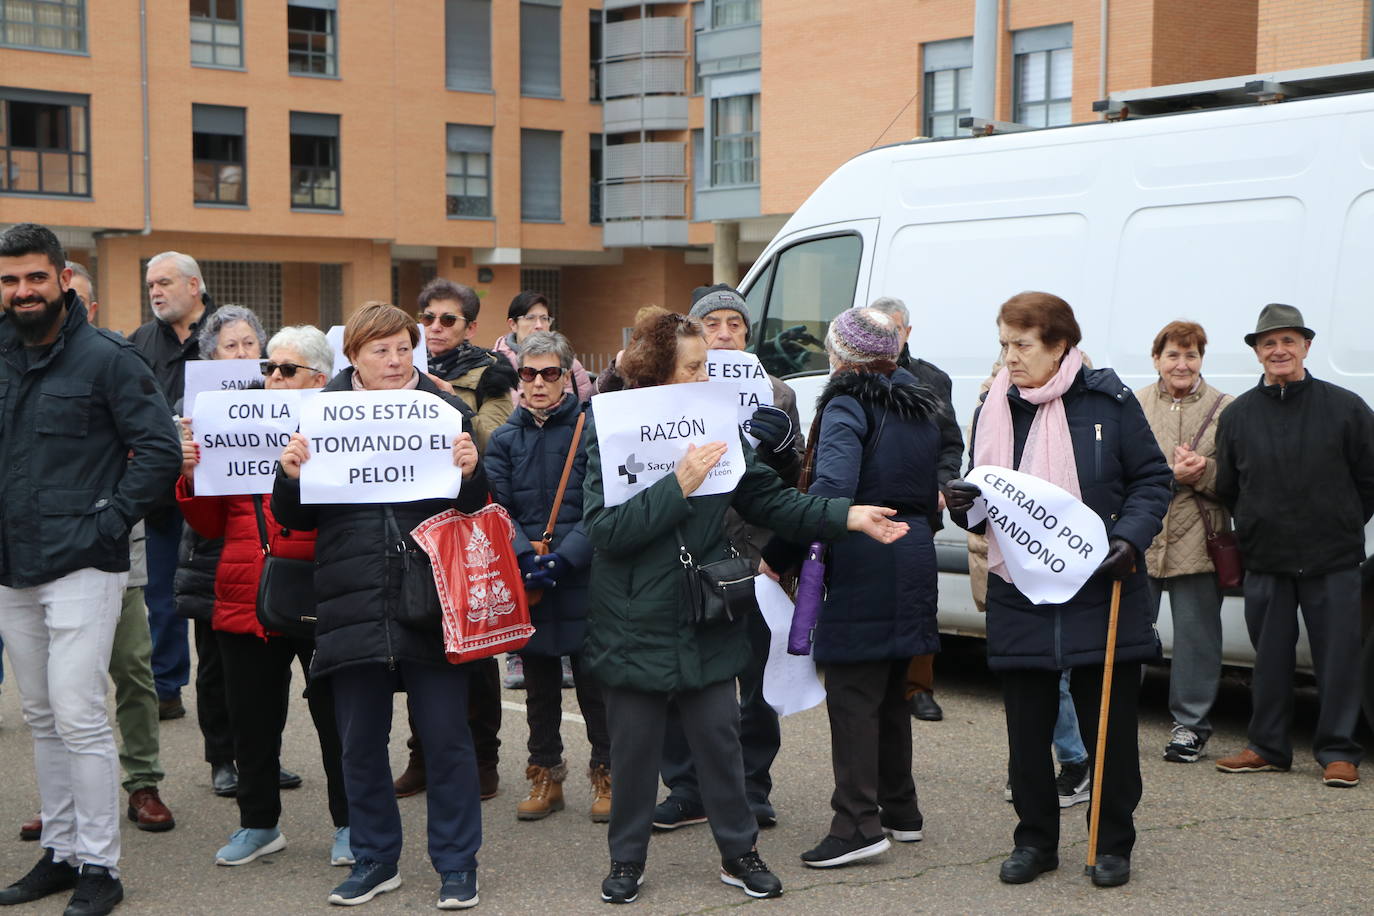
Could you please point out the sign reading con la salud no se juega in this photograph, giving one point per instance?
(379, 447)
(217, 375)
(1050, 541)
(241, 436)
(737, 367)
(643, 432)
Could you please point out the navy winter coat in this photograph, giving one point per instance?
(524, 462)
(1124, 478)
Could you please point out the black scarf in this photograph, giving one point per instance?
(459, 361)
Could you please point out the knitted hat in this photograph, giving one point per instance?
(717, 298)
(863, 335)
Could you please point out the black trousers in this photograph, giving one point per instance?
(870, 747)
(484, 714)
(257, 680)
(544, 710)
(212, 706)
(1032, 703)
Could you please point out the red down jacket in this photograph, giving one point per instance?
(240, 565)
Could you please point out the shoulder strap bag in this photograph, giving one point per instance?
(286, 589)
(543, 545)
(1223, 549)
(719, 592)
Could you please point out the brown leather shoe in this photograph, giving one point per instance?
(148, 812)
(1342, 774)
(170, 709)
(31, 830)
(1247, 761)
(412, 781)
(489, 781)
(601, 792)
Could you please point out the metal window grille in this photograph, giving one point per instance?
(216, 33)
(254, 285)
(331, 295)
(467, 45)
(546, 280)
(43, 25)
(44, 146)
(735, 140)
(468, 173)
(310, 40)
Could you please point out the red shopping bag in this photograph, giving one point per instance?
(478, 579)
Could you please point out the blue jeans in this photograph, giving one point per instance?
(1068, 743)
(171, 647)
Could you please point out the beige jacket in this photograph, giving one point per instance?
(1180, 548)
(490, 415)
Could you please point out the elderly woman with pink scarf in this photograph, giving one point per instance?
(1083, 430)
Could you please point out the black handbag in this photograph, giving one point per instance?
(286, 589)
(719, 592)
(419, 604)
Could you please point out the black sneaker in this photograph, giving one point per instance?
(459, 890)
(672, 813)
(904, 831)
(97, 892)
(749, 872)
(366, 880)
(47, 877)
(622, 884)
(833, 850)
(1074, 783)
(1184, 745)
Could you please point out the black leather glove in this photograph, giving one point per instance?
(1119, 561)
(773, 428)
(497, 380)
(959, 495)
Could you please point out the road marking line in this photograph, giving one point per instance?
(520, 707)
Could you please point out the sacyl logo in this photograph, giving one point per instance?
(630, 469)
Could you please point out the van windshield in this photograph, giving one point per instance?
(797, 295)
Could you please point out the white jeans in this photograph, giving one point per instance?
(59, 635)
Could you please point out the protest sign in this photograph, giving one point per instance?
(789, 681)
(419, 357)
(241, 435)
(379, 447)
(642, 432)
(217, 375)
(1050, 542)
(736, 367)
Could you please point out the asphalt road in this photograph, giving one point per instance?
(1209, 843)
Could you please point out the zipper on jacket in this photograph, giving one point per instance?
(1097, 450)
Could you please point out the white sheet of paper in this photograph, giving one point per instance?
(379, 447)
(1050, 541)
(419, 357)
(217, 375)
(642, 432)
(738, 367)
(790, 683)
(241, 436)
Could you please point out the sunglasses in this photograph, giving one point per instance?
(288, 370)
(548, 373)
(448, 320)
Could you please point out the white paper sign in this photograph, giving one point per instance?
(379, 447)
(789, 681)
(736, 367)
(217, 375)
(419, 357)
(642, 432)
(1049, 540)
(241, 436)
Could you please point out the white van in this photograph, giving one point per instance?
(1204, 216)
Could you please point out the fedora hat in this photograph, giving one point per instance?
(1274, 316)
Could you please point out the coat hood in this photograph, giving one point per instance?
(900, 393)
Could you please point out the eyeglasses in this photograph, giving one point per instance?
(538, 319)
(448, 319)
(288, 370)
(548, 373)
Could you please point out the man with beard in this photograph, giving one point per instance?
(177, 294)
(87, 444)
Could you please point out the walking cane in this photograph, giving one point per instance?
(1109, 663)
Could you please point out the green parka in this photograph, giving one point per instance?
(639, 636)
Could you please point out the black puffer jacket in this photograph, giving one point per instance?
(358, 574)
(1124, 479)
(193, 584)
(524, 462)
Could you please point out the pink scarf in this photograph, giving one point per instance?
(358, 385)
(1048, 453)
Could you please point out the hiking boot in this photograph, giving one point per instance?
(366, 880)
(672, 813)
(97, 892)
(341, 850)
(834, 851)
(148, 812)
(1074, 783)
(1247, 761)
(412, 781)
(600, 775)
(749, 872)
(1341, 774)
(546, 792)
(1184, 745)
(514, 678)
(458, 891)
(248, 843)
(1026, 863)
(622, 884)
(47, 877)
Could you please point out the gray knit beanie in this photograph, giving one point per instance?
(863, 335)
(720, 298)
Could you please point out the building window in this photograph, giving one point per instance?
(547, 281)
(219, 167)
(540, 49)
(948, 88)
(541, 175)
(312, 38)
(598, 144)
(468, 175)
(216, 33)
(734, 12)
(314, 161)
(595, 18)
(43, 25)
(467, 45)
(44, 144)
(735, 140)
(698, 26)
(1043, 69)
